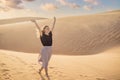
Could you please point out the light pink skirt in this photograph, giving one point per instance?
(45, 55)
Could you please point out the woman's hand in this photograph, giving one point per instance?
(33, 21)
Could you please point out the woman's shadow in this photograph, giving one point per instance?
(43, 78)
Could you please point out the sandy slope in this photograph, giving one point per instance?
(88, 34)
(21, 19)
(24, 66)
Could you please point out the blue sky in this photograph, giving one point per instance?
(59, 8)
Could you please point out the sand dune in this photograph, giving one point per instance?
(16, 20)
(24, 66)
(89, 34)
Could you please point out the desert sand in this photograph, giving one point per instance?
(88, 34)
(24, 66)
(85, 48)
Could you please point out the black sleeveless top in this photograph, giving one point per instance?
(46, 40)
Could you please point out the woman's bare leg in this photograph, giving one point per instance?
(40, 69)
(46, 71)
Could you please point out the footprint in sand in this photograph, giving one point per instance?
(2, 64)
(57, 72)
(6, 75)
(51, 67)
(33, 64)
(100, 79)
(5, 70)
(83, 75)
(7, 78)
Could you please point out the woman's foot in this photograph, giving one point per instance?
(47, 75)
(39, 71)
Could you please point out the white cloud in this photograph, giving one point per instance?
(6, 5)
(66, 3)
(94, 2)
(48, 7)
(88, 8)
(29, 0)
(109, 10)
(12, 3)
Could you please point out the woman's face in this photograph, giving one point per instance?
(47, 29)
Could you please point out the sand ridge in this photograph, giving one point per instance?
(88, 34)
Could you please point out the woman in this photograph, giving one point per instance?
(46, 40)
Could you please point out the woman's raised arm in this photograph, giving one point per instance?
(53, 23)
(37, 26)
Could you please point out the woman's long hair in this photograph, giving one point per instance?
(43, 31)
(37, 31)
